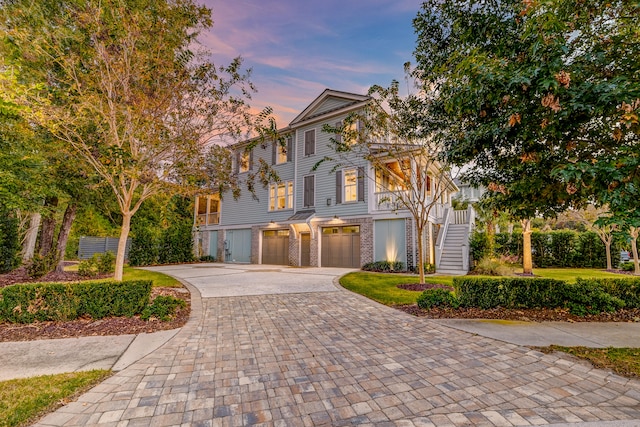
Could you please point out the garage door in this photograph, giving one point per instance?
(275, 247)
(341, 246)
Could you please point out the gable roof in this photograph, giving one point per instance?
(329, 102)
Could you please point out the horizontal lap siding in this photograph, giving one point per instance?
(325, 184)
(248, 210)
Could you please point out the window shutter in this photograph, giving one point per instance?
(274, 152)
(339, 134)
(289, 148)
(251, 160)
(361, 184)
(309, 191)
(338, 187)
(310, 142)
(237, 166)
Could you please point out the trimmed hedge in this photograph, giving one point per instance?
(627, 289)
(589, 296)
(27, 303)
(385, 266)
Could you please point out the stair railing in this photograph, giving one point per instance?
(446, 218)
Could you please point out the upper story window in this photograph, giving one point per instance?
(282, 151)
(207, 210)
(244, 160)
(350, 185)
(281, 196)
(350, 177)
(310, 142)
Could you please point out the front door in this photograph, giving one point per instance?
(305, 249)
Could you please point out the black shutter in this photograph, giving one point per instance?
(338, 187)
(309, 191)
(274, 152)
(289, 148)
(251, 160)
(237, 166)
(310, 142)
(361, 184)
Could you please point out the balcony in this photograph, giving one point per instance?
(208, 219)
(389, 200)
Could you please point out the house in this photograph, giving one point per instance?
(325, 217)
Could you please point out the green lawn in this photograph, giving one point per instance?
(381, 287)
(130, 273)
(23, 401)
(622, 361)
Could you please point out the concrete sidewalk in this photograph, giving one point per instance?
(43, 357)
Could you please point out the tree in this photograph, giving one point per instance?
(535, 92)
(393, 134)
(126, 86)
(589, 217)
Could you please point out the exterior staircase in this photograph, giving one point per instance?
(451, 260)
(452, 256)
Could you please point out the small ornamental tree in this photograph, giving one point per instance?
(393, 134)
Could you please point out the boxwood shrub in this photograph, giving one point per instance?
(590, 296)
(26, 303)
(437, 298)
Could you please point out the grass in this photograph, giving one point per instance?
(570, 274)
(23, 401)
(622, 361)
(382, 287)
(130, 273)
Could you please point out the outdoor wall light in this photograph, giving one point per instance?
(336, 217)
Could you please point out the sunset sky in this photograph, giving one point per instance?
(298, 48)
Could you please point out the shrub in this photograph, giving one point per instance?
(627, 266)
(627, 289)
(491, 267)
(144, 248)
(385, 266)
(590, 251)
(98, 264)
(207, 258)
(163, 308)
(31, 302)
(589, 297)
(9, 242)
(508, 292)
(437, 298)
(176, 244)
(40, 265)
(478, 246)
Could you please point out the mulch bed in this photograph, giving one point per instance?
(527, 315)
(423, 286)
(88, 326)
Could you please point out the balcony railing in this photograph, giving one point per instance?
(208, 219)
(389, 200)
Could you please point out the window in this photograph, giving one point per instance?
(208, 210)
(310, 142)
(282, 151)
(281, 157)
(309, 191)
(281, 196)
(350, 185)
(243, 161)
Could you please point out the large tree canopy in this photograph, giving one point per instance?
(126, 86)
(542, 96)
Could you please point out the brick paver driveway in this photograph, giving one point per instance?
(334, 358)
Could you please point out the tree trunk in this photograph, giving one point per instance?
(31, 237)
(122, 245)
(48, 227)
(63, 235)
(527, 259)
(607, 246)
(634, 247)
(420, 252)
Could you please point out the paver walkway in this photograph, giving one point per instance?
(335, 358)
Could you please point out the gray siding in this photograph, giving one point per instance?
(248, 210)
(331, 104)
(99, 245)
(325, 184)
